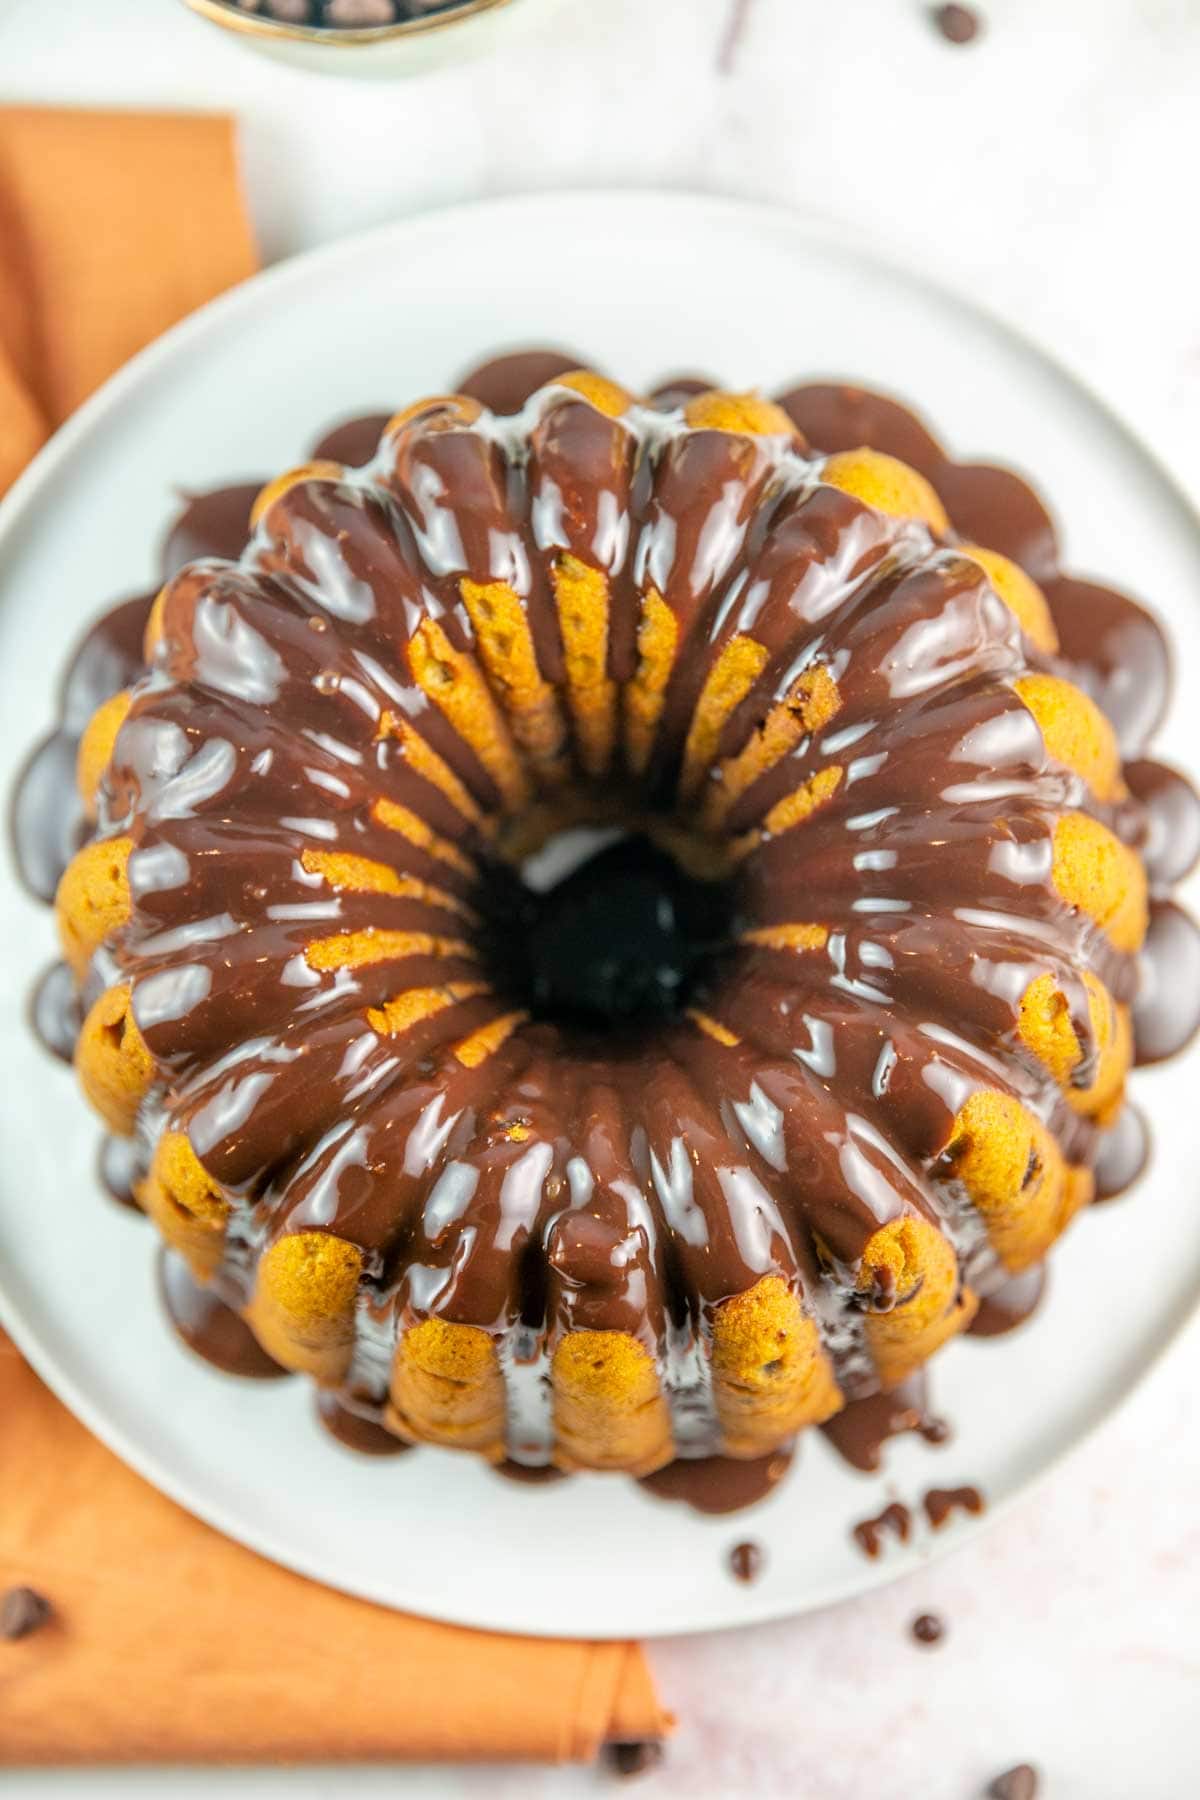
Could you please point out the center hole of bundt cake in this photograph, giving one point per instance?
(603, 929)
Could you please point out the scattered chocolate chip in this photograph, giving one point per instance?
(746, 1561)
(289, 12)
(882, 1296)
(957, 24)
(635, 1759)
(1020, 1783)
(346, 15)
(22, 1611)
(360, 12)
(927, 1628)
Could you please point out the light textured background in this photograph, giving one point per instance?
(1049, 169)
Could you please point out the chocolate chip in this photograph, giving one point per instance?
(22, 1611)
(289, 12)
(927, 1628)
(746, 1561)
(957, 24)
(882, 1297)
(635, 1759)
(1019, 1783)
(360, 12)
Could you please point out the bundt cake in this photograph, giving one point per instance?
(744, 1127)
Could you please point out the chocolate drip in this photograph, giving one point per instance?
(504, 383)
(55, 1011)
(994, 507)
(216, 523)
(121, 1165)
(1116, 651)
(837, 416)
(1110, 646)
(1172, 842)
(47, 819)
(939, 1503)
(530, 1474)
(354, 442)
(672, 394)
(1009, 1305)
(361, 1430)
(1118, 655)
(861, 1429)
(209, 1327)
(868, 1533)
(1122, 1153)
(719, 1484)
(1166, 1013)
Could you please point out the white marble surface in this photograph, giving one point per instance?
(1048, 169)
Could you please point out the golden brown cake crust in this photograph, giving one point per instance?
(882, 1095)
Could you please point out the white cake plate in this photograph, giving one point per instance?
(644, 284)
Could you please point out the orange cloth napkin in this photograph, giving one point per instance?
(169, 1643)
(112, 227)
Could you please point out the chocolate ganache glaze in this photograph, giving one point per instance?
(516, 1145)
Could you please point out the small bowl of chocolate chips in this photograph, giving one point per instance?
(369, 37)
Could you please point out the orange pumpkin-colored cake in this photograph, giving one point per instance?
(741, 1120)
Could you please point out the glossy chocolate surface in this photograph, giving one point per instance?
(719, 1484)
(871, 1534)
(47, 818)
(657, 1171)
(210, 524)
(1122, 1154)
(357, 1427)
(209, 1327)
(941, 1503)
(120, 1166)
(353, 442)
(1009, 1305)
(55, 1011)
(504, 383)
(860, 1431)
